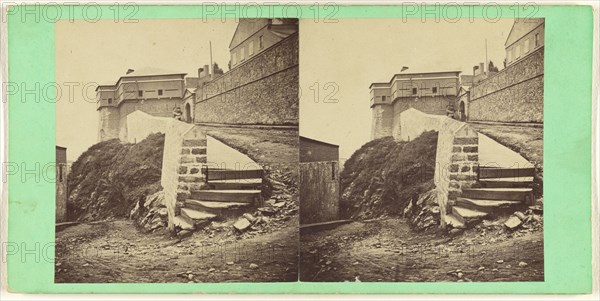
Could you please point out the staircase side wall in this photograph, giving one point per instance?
(174, 135)
(139, 125)
(463, 162)
(414, 122)
(451, 163)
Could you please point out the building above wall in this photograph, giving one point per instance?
(526, 36)
(253, 36)
(417, 84)
(145, 83)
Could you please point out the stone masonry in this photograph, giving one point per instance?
(463, 164)
(193, 156)
(262, 90)
(515, 94)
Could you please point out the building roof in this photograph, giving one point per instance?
(144, 71)
(61, 147)
(250, 25)
(280, 27)
(150, 71)
(413, 73)
(318, 141)
(521, 27)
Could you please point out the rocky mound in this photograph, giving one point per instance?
(110, 178)
(387, 178)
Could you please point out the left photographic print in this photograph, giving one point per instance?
(177, 151)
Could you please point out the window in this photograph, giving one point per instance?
(109, 100)
(526, 46)
(518, 50)
(260, 42)
(414, 91)
(383, 98)
(242, 54)
(251, 49)
(140, 93)
(160, 92)
(537, 39)
(509, 55)
(434, 90)
(234, 58)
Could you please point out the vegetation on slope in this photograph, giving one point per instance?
(110, 177)
(384, 176)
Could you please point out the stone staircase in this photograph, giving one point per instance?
(205, 194)
(497, 191)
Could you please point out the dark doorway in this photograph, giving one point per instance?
(462, 114)
(188, 113)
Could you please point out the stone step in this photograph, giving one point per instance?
(453, 221)
(467, 216)
(196, 217)
(237, 196)
(489, 206)
(511, 194)
(496, 172)
(233, 174)
(521, 182)
(235, 184)
(215, 207)
(181, 222)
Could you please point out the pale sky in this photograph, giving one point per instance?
(354, 53)
(89, 53)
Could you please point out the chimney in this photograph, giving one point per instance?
(200, 72)
(481, 70)
(206, 70)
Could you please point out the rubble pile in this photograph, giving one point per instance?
(424, 213)
(151, 214)
(272, 214)
(531, 219)
(275, 212)
(517, 224)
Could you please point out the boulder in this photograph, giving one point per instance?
(520, 215)
(242, 224)
(513, 222)
(251, 218)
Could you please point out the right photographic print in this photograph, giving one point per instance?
(421, 150)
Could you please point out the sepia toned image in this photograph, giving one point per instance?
(421, 150)
(178, 154)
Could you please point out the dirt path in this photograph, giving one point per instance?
(387, 251)
(262, 145)
(525, 140)
(116, 252)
